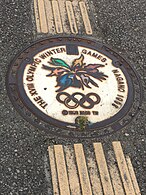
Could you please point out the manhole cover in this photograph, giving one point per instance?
(79, 85)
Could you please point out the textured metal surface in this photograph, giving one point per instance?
(20, 103)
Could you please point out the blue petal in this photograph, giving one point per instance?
(65, 81)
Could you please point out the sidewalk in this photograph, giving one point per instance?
(24, 149)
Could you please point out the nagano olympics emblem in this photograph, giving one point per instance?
(62, 80)
(65, 86)
(79, 75)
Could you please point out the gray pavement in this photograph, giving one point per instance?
(23, 151)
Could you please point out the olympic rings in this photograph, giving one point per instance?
(78, 99)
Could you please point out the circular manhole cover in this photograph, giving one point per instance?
(79, 85)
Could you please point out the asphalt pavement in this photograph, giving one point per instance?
(23, 151)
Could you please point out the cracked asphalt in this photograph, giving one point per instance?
(23, 151)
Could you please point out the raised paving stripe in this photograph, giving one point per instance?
(64, 16)
(42, 15)
(77, 170)
(49, 16)
(94, 175)
(85, 18)
(61, 170)
(37, 18)
(132, 175)
(125, 175)
(71, 17)
(103, 169)
(58, 16)
(82, 169)
(53, 170)
(115, 176)
(72, 171)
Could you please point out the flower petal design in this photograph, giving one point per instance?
(64, 81)
(93, 83)
(77, 83)
(92, 70)
(78, 62)
(85, 80)
(91, 67)
(77, 75)
(59, 62)
(98, 75)
(55, 71)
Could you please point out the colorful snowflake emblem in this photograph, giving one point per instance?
(78, 75)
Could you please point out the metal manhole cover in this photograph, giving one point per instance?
(79, 85)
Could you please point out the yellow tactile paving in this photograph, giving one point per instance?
(37, 19)
(57, 17)
(78, 15)
(115, 176)
(85, 17)
(77, 171)
(53, 170)
(133, 177)
(64, 17)
(61, 170)
(125, 175)
(94, 176)
(103, 169)
(42, 16)
(82, 169)
(72, 172)
(49, 16)
(71, 17)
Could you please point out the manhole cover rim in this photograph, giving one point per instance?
(75, 38)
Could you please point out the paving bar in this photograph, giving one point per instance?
(103, 169)
(132, 175)
(37, 19)
(53, 170)
(77, 171)
(85, 18)
(42, 14)
(71, 17)
(61, 170)
(82, 169)
(125, 175)
(72, 171)
(94, 175)
(57, 17)
(49, 16)
(115, 176)
(64, 16)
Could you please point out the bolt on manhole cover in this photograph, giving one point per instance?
(77, 84)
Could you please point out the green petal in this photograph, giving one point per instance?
(59, 62)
